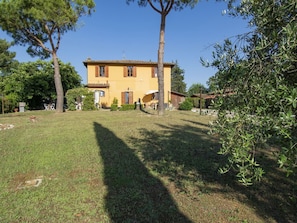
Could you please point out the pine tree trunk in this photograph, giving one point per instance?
(161, 107)
(58, 85)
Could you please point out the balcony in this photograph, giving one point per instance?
(98, 85)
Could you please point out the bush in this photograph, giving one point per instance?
(127, 107)
(114, 105)
(186, 105)
(73, 95)
(88, 102)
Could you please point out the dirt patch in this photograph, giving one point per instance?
(6, 126)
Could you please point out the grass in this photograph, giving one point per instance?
(129, 167)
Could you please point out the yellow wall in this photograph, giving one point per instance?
(139, 85)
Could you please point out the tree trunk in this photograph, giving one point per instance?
(161, 107)
(58, 85)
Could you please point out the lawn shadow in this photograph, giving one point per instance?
(134, 195)
(187, 153)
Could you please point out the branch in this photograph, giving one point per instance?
(151, 4)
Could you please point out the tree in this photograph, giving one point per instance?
(212, 85)
(177, 79)
(7, 61)
(261, 68)
(40, 25)
(196, 89)
(33, 82)
(165, 6)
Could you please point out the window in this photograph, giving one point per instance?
(127, 97)
(101, 71)
(154, 71)
(130, 71)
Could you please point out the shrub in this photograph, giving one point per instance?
(127, 107)
(186, 105)
(88, 102)
(73, 95)
(114, 105)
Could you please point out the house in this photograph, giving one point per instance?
(128, 81)
(177, 98)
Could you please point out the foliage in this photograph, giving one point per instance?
(127, 107)
(114, 105)
(33, 82)
(196, 89)
(88, 102)
(40, 25)
(186, 105)
(7, 61)
(73, 96)
(261, 68)
(196, 102)
(177, 79)
(164, 8)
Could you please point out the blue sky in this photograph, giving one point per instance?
(120, 31)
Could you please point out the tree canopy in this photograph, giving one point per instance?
(196, 89)
(40, 25)
(7, 60)
(177, 79)
(33, 83)
(261, 69)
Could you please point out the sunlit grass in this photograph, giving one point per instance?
(121, 167)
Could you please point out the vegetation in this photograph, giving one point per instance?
(177, 79)
(40, 25)
(261, 69)
(163, 9)
(7, 61)
(33, 83)
(127, 107)
(88, 102)
(114, 105)
(186, 105)
(129, 167)
(75, 96)
(197, 89)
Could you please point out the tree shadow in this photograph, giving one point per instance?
(187, 153)
(134, 195)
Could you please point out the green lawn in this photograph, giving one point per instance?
(128, 166)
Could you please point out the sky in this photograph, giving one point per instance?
(118, 31)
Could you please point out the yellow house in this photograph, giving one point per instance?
(128, 81)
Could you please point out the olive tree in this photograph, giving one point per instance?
(40, 25)
(260, 67)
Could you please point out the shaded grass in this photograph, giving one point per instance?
(129, 167)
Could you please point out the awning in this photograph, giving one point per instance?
(151, 92)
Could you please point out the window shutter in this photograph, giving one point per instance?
(131, 97)
(153, 72)
(134, 71)
(97, 71)
(125, 71)
(123, 98)
(106, 71)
